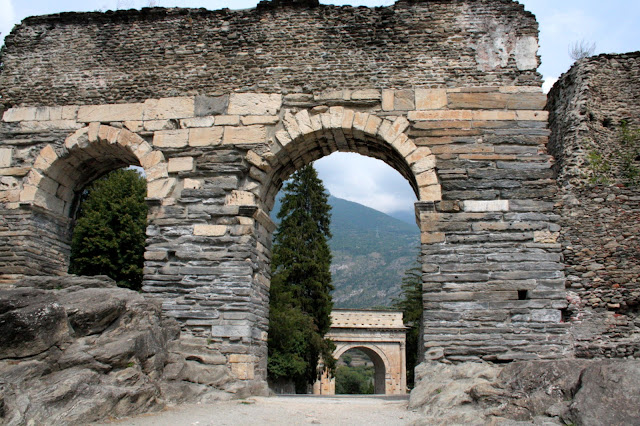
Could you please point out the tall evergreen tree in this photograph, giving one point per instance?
(300, 304)
(110, 232)
(411, 306)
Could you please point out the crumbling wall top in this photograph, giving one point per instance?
(132, 55)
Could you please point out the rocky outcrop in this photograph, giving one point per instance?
(580, 392)
(79, 349)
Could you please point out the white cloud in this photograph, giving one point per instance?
(366, 181)
(548, 84)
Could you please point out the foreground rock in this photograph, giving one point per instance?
(78, 349)
(578, 391)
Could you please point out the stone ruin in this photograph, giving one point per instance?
(220, 107)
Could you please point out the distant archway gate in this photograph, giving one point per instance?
(473, 148)
(381, 336)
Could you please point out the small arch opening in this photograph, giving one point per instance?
(360, 371)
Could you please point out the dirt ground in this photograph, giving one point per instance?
(284, 410)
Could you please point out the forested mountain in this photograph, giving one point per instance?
(371, 251)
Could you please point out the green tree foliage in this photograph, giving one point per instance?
(354, 380)
(411, 306)
(300, 293)
(109, 235)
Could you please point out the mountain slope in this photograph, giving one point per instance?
(371, 251)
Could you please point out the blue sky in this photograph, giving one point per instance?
(613, 25)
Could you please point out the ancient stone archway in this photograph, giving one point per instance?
(379, 334)
(458, 117)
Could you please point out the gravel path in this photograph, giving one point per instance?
(284, 410)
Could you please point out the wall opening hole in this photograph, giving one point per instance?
(523, 294)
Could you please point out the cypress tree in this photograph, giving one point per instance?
(110, 232)
(300, 294)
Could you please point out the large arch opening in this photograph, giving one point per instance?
(339, 130)
(54, 186)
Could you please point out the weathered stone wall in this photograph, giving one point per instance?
(585, 108)
(600, 223)
(131, 56)
(216, 152)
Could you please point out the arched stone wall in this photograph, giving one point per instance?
(60, 173)
(221, 142)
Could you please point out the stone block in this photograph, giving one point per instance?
(155, 125)
(404, 100)
(387, 100)
(427, 178)
(240, 198)
(243, 371)
(403, 145)
(69, 112)
(156, 255)
(191, 184)
(424, 164)
(205, 136)
(227, 120)
(283, 137)
(257, 161)
(291, 125)
(6, 155)
(432, 237)
(546, 237)
(373, 123)
(304, 122)
(19, 114)
(532, 116)
(210, 230)
(477, 100)
(259, 119)
(180, 164)
(418, 154)
(160, 188)
(210, 105)
(46, 158)
(111, 112)
(14, 171)
(134, 126)
(254, 104)
(169, 108)
(430, 192)
(108, 134)
(39, 126)
(479, 206)
(171, 138)
(245, 134)
(331, 95)
(365, 95)
(206, 121)
(430, 99)
(151, 159)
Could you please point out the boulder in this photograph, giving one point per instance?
(573, 391)
(79, 349)
(30, 323)
(608, 394)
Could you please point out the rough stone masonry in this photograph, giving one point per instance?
(220, 107)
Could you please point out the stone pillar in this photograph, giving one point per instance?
(493, 281)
